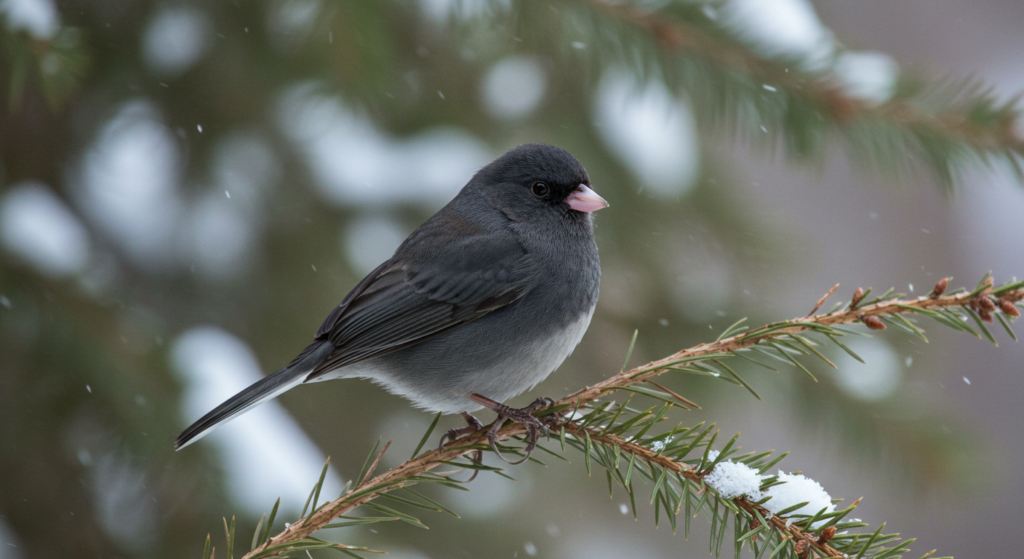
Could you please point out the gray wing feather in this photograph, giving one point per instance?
(416, 297)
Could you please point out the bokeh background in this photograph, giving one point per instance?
(187, 188)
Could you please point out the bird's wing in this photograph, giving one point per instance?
(416, 296)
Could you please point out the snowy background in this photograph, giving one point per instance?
(186, 222)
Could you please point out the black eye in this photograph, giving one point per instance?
(540, 189)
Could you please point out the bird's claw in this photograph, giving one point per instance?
(523, 416)
(473, 425)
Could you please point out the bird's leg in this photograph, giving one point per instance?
(473, 425)
(523, 416)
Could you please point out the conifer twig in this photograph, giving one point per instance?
(778, 523)
(890, 307)
(979, 301)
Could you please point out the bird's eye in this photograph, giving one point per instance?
(540, 189)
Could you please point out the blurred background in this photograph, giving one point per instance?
(188, 188)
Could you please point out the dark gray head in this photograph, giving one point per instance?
(536, 178)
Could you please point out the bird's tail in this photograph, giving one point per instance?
(266, 388)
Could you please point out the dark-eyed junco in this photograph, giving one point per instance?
(480, 303)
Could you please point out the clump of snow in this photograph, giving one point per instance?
(732, 479)
(798, 489)
(868, 76)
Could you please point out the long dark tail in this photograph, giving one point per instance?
(266, 388)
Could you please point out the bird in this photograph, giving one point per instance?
(479, 304)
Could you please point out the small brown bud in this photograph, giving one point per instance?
(985, 303)
(668, 35)
(1009, 309)
(988, 286)
(940, 287)
(826, 535)
(802, 548)
(840, 105)
(985, 315)
(857, 296)
(872, 322)
(755, 524)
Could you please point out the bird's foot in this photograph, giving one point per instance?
(473, 425)
(523, 416)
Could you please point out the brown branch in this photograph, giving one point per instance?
(797, 325)
(373, 466)
(393, 478)
(822, 300)
(675, 37)
(683, 470)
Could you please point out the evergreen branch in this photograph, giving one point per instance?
(601, 424)
(57, 66)
(754, 510)
(945, 124)
(983, 301)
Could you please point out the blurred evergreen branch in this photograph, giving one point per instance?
(616, 436)
(947, 125)
(56, 65)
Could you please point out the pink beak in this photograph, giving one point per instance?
(583, 199)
